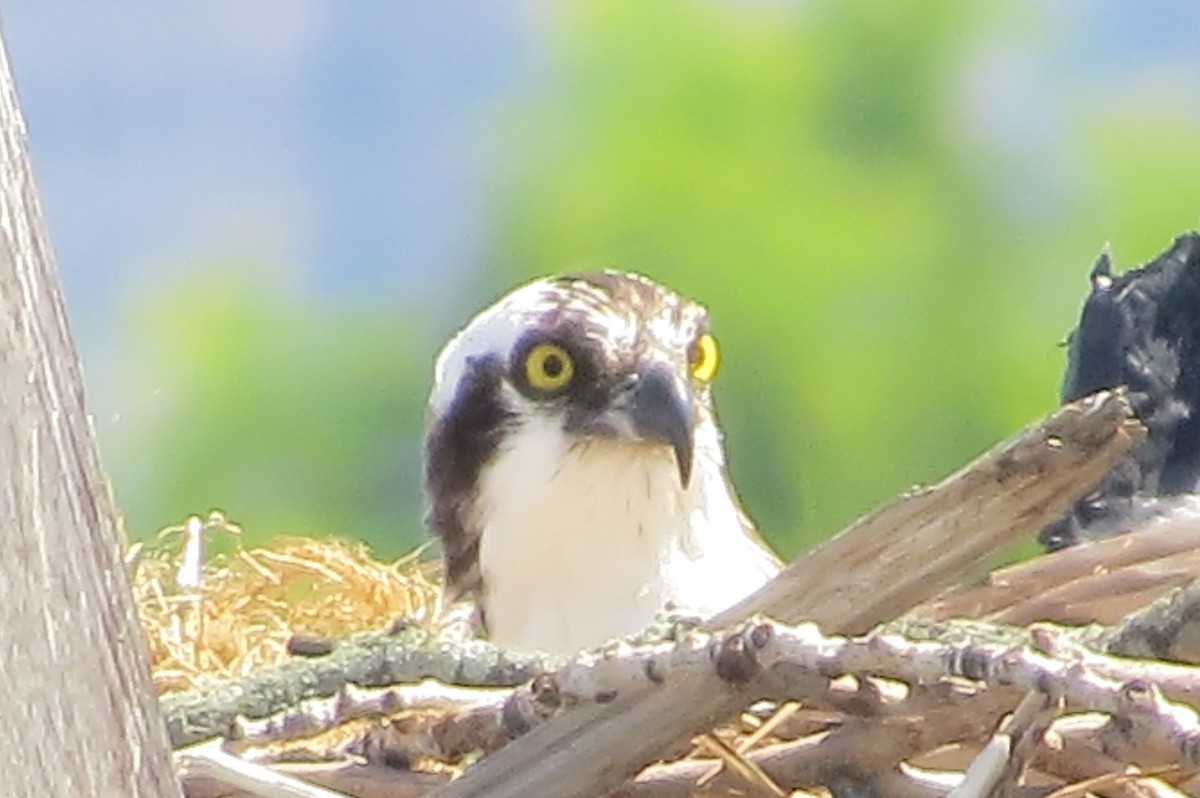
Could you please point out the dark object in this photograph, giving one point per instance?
(309, 646)
(1140, 329)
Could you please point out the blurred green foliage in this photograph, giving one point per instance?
(888, 294)
(290, 414)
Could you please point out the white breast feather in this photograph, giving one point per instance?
(584, 544)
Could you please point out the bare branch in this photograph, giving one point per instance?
(858, 745)
(1094, 582)
(877, 569)
(957, 690)
(376, 659)
(209, 761)
(929, 538)
(318, 715)
(1003, 759)
(358, 780)
(1167, 629)
(1075, 758)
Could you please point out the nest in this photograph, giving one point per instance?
(883, 714)
(214, 622)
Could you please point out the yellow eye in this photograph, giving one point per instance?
(548, 367)
(704, 358)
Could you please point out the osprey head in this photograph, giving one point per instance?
(602, 355)
(571, 431)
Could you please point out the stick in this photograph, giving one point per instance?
(877, 569)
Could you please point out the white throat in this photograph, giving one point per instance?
(584, 543)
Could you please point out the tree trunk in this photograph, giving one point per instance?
(80, 716)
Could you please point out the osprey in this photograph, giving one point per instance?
(574, 468)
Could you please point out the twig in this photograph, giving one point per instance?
(856, 746)
(1161, 555)
(1073, 757)
(377, 659)
(1180, 683)
(317, 715)
(762, 659)
(777, 718)
(999, 759)
(879, 568)
(209, 761)
(903, 554)
(1167, 629)
(353, 779)
(750, 773)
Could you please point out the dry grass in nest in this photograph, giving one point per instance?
(216, 621)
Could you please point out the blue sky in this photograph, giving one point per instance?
(349, 141)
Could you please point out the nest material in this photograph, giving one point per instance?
(251, 606)
(254, 608)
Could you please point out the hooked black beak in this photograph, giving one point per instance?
(660, 408)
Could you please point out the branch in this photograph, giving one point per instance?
(959, 688)
(1004, 759)
(877, 569)
(319, 715)
(862, 746)
(375, 659)
(929, 538)
(1093, 582)
(1073, 757)
(210, 762)
(1167, 629)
